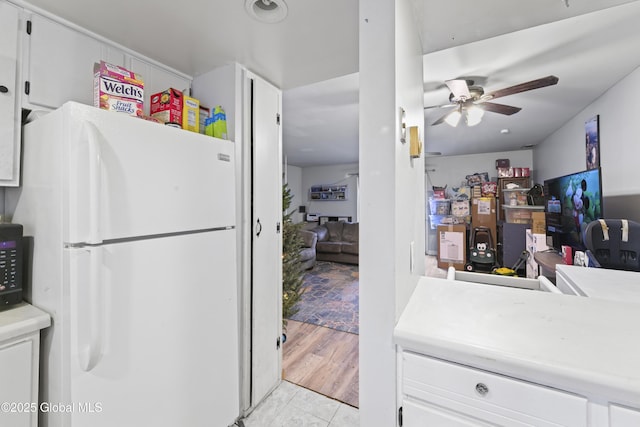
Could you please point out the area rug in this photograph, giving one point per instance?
(330, 297)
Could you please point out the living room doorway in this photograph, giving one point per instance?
(322, 348)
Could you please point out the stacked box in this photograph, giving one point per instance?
(460, 208)
(117, 89)
(452, 251)
(166, 106)
(439, 206)
(190, 114)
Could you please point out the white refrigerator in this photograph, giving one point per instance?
(134, 257)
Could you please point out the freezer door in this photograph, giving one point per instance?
(127, 177)
(153, 334)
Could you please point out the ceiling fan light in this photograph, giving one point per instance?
(474, 115)
(453, 118)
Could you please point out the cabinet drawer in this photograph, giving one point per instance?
(624, 417)
(458, 387)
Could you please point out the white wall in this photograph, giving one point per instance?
(391, 194)
(331, 175)
(564, 151)
(212, 89)
(452, 170)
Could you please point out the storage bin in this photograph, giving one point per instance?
(436, 220)
(439, 206)
(520, 214)
(515, 196)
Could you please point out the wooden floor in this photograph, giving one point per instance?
(323, 360)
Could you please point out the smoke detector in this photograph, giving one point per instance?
(269, 11)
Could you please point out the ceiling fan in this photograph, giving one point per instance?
(471, 102)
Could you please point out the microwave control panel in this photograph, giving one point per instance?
(10, 265)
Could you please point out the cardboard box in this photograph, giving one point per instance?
(452, 246)
(460, 208)
(167, 106)
(538, 225)
(190, 114)
(483, 214)
(117, 89)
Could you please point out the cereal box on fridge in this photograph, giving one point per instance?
(117, 89)
(190, 114)
(167, 106)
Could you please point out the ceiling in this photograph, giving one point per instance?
(313, 56)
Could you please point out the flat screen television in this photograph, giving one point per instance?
(571, 202)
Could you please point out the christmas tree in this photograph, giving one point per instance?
(292, 275)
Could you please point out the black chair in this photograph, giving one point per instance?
(613, 243)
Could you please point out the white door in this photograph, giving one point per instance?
(266, 272)
(9, 114)
(60, 64)
(153, 335)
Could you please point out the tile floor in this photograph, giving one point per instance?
(292, 406)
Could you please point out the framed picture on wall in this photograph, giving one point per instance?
(592, 142)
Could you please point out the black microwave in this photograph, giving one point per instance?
(10, 265)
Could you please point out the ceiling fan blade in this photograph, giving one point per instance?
(522, 87)
(499, 108)
(459, 89)
(441, 119)
(440, 106)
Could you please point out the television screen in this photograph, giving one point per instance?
(571, 202)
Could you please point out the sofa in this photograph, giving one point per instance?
(308, 249)
(337, 242)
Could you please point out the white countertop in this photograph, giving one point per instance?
(20, 320)
(604, 283)
(586, 345)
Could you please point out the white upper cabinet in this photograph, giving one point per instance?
(60, 64)
(9, 112)
(56, 75)
(156, 79)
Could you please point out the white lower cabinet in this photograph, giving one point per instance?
(19, 364)
(441, 393)
(621, 416)
(17, 373)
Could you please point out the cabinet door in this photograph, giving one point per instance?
(418, 415)
(156, 79)
(60, 64)
(17, 380)
(9, 117)
(624, 417)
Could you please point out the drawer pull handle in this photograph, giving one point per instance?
(482, 389)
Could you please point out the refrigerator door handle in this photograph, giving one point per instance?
(90, 353)
(95, 183)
